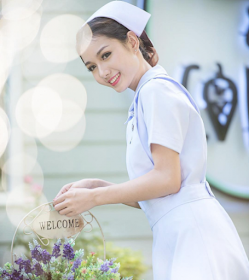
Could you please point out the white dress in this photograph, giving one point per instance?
(193, 236)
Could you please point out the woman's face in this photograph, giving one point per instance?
(108, 60)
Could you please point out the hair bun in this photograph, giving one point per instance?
(152, 55)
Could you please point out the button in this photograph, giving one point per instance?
(132, 127)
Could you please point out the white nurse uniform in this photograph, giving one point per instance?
(193, 236)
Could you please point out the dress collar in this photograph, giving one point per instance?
(151, 73)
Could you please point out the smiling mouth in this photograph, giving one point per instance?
(115, 79)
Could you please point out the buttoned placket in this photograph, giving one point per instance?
(132, 128)
(155, 71)
(131, 116)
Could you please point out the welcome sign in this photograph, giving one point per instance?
(53, 225)
(46, 224)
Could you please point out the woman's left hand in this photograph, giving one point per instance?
(74, 202)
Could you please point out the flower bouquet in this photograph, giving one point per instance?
(62, 263)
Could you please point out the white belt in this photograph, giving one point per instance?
(188, 193)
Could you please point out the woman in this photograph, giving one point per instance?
(193, 236)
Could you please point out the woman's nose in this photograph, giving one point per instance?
(103, 72)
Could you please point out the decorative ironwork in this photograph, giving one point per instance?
(220, 93)
(46, 223)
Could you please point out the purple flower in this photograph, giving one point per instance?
(111, 261)
(46, 257)
(26, 264)
(38, 269)
(68, 251)
(40, 255)
(114, 270)
(76, 264)
(70, 277)
(16, 275)
(36, 253)
(5, 273)
(104, 267)
(56, 249)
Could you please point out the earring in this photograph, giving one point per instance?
(135, 50)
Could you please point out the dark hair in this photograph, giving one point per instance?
(102, 26)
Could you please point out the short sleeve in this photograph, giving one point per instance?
(166, 113)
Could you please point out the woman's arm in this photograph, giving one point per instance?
(163, 180)
(103, 183)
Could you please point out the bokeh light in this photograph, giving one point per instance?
(4, 131)
(6, 59)
(18, 34)
(58, 38)
(72, 113)
(47, 107)
(53, 111)
(17, 167)
(20, 202)
(36, 65)
(23, 55)
(62, 141)
(18, 138)
(19, 164)
(83, 39)
(71, 128)
(73, 95)
(19, 9)
(38, 111)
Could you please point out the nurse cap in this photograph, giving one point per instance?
(130, 16)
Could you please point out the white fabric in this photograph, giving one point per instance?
(124, 13)
(166, 114)
(193, 236)
(172, 121)
(198, 241)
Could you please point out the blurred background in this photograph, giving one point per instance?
(58, 125)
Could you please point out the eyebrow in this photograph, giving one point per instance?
(88, 62)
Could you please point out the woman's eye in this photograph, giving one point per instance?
(89, 69)
(108, 53)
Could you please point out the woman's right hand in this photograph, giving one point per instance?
(91, 184)
(84, 183)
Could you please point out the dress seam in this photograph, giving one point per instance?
(179, 206)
